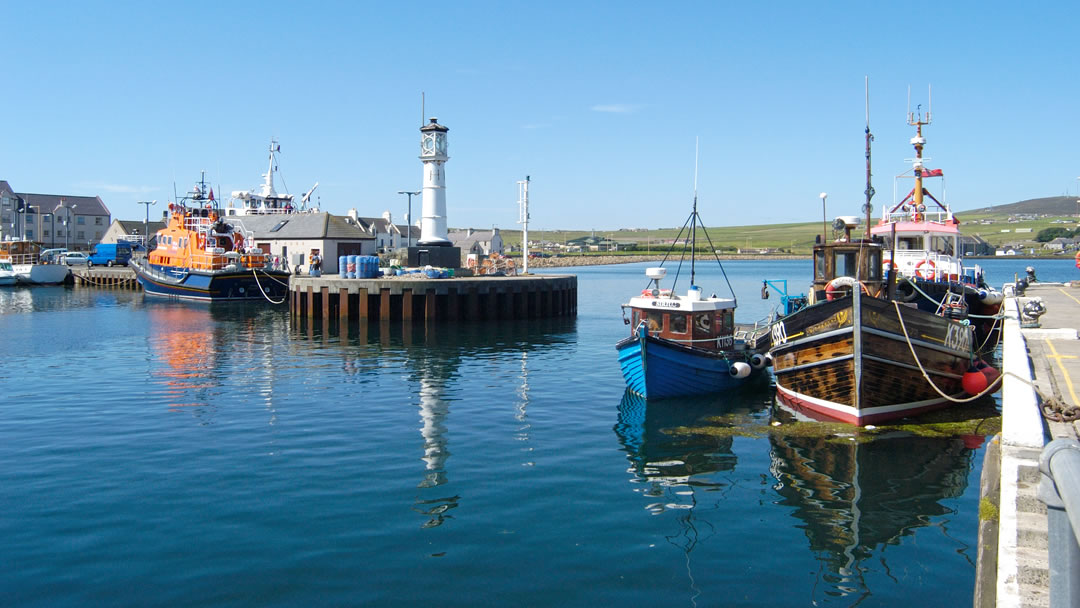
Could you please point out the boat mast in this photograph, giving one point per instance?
(915, 119)
(867, 207)
(694, 219)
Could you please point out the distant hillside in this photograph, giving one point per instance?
(1050, 205)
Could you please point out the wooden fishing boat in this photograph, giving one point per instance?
(856, 353)
(924, 245)
(687, 344)
(200, 256)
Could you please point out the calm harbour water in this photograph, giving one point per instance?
(160, 453)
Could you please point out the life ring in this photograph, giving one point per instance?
(840, 286)
(471, 263)
(922, 274)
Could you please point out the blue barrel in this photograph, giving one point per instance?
(343, 272)
(362, 266)
(371, 267)
(350, 266)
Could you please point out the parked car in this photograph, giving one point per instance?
(52, 256)
(110, 254)
(74, 258)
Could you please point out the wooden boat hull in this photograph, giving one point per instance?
(849, 360)
(987, 330)
(255, 284)
(656, 368)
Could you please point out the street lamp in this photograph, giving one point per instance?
(67, 217)
(146, 225)
(824, 222)
(408, 216)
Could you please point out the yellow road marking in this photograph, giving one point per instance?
(1068, 295)
(1061, 366)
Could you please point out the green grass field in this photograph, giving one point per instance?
(796, 238)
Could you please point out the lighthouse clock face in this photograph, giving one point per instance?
(427, 144)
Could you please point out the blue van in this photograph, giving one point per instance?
(110, 254)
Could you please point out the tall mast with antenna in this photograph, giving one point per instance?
(867, 207)
(917, 120)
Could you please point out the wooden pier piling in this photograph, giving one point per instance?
(411, 300)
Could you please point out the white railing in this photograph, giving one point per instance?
(901, 215)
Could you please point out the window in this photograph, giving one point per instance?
(29, 233)
(819, 264)
(677, 323)
(80, 220)
(80, 235)
(97, 221)
(655, 320)
(45, 232)
(846, 264)
(279, 225)
(875, 266)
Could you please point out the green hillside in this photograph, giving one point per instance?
(1014, 224)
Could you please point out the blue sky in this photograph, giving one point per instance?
(599, 103)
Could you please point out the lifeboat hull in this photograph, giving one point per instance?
(252, 284)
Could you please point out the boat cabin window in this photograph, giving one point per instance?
(941, 244)
(873, 273)
(677, 323)
(655, 320)
(909, 242)
(725, 322)
(703, 325)
(847, 264)
(819, 264)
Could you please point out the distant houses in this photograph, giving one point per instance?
(55, 220)
(478, 242)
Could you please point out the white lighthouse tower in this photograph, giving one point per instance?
(433, 155)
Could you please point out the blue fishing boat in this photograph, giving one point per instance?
(687, 344)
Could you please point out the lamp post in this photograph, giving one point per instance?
(824, 222)
(146, 224)
(408, 216)
(67, 232)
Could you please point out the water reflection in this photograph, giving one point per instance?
(433, 357)
(855, 499)
(668, 463)
(198, 349)
(679, 470)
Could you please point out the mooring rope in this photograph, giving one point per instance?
(268, 299)
(1051, 407)
(911, 347)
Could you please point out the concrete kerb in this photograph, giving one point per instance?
(1023, 436)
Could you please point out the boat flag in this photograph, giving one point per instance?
(212, 190)
(932, 173)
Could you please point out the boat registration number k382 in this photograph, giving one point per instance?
(958, 337)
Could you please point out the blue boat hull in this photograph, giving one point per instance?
(272, 285)
(655, 368)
